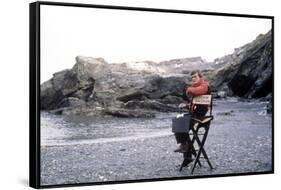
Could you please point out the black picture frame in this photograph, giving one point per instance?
(34, 91)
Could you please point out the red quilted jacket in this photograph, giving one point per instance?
(198, 88)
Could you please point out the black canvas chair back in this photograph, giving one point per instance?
(200, 128)
(204, 100)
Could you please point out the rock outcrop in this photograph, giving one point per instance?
(92, 83)
(254, 76)
(248, 71)
(65, 85)
(94, 87)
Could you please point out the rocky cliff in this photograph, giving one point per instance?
(97, 87)
(140, 89)
(248, 71)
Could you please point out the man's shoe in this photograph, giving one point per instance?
(182, 148)
(178, 149)
(188, 161)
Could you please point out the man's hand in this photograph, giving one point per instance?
(182, 105)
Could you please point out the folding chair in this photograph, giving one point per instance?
(200, 128)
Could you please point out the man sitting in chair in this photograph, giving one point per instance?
(198, 87)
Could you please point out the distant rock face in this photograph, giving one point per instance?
(92, 81)
(171, 67)
(248, 71)
(94, 87)
(254, 76)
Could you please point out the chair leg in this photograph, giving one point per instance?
(206, 158)
(192, 143)
(186, 160)
(201, 148)
(184, 163)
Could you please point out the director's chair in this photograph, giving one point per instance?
(199, 128)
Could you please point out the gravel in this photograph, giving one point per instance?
(238, 142)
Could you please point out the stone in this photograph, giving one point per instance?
(221, 94)
(128, 113)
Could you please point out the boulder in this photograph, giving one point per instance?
(65, 84)
(50, 97)
(221, 94)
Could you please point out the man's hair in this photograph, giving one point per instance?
(198, 72)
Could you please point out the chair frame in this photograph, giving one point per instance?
(199, 124)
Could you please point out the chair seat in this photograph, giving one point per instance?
(204, 120)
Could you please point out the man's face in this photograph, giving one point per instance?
(195, 77)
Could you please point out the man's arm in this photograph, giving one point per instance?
(197, 91)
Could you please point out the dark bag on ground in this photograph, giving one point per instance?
(181, 124)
